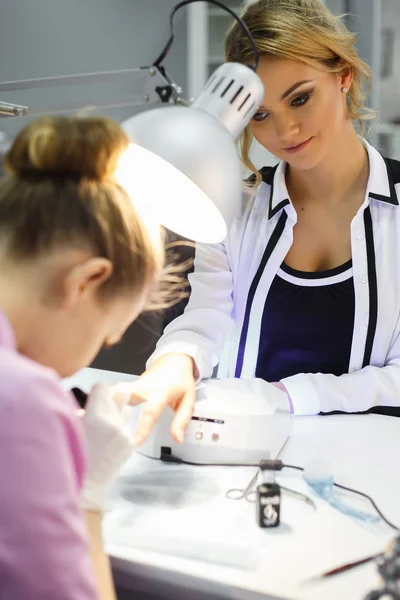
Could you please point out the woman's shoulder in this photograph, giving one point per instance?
(267, 175)
(34, 407)
(392, 179)
(256, 196)
(394, 166)
(28, 386)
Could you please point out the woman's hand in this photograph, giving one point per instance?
(169, 382)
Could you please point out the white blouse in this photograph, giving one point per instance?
(222, 321)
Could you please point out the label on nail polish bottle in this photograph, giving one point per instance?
(268, 505)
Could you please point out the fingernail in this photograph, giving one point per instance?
(138, 439)
(121, 399)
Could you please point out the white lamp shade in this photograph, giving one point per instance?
(185, 170)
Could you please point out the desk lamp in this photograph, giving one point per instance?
(184, 160)
(184, 167)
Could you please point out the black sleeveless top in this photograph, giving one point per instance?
(307, 324)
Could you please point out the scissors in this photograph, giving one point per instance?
(246, 493)
(251, 495)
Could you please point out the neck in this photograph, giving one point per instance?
(342, 170)
(16, 292)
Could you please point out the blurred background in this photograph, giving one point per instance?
(43, 38)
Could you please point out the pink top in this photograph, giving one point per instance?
(43, 540)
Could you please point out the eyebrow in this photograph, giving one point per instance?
(294, 87)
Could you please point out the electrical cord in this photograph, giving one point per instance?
(167, 456)
(358, 493)
(270, 465)
(363, 495)
(242, 24)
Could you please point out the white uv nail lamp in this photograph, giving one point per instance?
(235, 421)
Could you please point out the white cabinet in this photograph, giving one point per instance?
(218, 23)
(387, 78)
(377, 23)
(207, 25)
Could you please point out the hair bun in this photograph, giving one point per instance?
(67, 147)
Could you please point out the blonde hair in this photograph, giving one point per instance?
(306, 31)
(61, 191)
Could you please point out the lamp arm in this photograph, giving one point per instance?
(153, 84)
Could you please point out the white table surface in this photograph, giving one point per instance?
(174, 525)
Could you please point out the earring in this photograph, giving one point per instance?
(345, 90)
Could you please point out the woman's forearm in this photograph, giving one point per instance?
(100, 560)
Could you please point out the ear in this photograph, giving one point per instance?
(85, 279)
(346, 77)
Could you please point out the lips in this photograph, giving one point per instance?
(299, 147)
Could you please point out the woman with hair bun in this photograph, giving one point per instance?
(78, 265)
(305, 290)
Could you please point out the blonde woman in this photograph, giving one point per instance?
(305, 290)
(77, 267)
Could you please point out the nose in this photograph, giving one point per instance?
(287, 129)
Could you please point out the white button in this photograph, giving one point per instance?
(364, 327)
(363, 279)
(366, 314)
(360, 235)
(199, 435)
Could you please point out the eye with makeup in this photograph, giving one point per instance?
(297, 102)
(301, 100)
(260, 116)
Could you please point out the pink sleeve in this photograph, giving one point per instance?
(43, 540)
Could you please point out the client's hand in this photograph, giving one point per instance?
(108, 441)
(169, 382)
